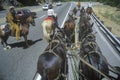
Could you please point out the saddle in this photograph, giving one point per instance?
(50, 18)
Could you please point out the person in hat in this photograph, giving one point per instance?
(13, 22)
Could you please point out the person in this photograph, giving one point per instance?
(90, 4)
(51, 13)
(13, 22)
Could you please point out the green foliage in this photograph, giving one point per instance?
(27, 2)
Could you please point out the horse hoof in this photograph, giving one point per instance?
(8, 47)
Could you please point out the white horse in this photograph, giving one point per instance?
(48, 27)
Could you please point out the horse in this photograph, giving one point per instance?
(83, 13)
(69, 29)
(92, 54)
(78, 5)
(24, 30)
(48, 27)
(98, 61)
(89, 10)
(85, 27)
(22, 18)
(52, 63)
(74, 11)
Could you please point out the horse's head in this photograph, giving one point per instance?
(89, 10)
(31, 20)
(74, 10)
(82, 10)
(72, 17)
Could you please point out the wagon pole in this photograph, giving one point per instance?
(76, 34)
(76, 68)
(73, 67)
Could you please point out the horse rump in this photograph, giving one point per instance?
(49, 66)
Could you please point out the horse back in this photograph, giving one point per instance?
(48, 25)
(49, 65)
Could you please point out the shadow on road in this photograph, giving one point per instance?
(22, 44)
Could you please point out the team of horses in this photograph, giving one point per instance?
(53, 63)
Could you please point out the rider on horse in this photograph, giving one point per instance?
(90, 4)
(13, 22)
(52, 14)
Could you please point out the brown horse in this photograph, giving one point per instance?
(74, 11)
(89, 10)
(69, 29)
(52, 64)
(24, 30)
(78, 5)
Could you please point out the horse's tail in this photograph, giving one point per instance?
(46, 35)
(44, 77)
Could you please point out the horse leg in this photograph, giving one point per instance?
(26, 41)
(33, 22)
(4, 43)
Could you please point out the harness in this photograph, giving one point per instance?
(89, 65)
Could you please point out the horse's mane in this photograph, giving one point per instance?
(47, 22)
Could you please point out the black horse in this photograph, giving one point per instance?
(85, 26)
(52, 64)
(97, 60)
(89, 43)
(92, 54)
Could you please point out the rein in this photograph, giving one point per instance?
(89, 35)
(51, 50)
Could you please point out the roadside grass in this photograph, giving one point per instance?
(110, 16)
